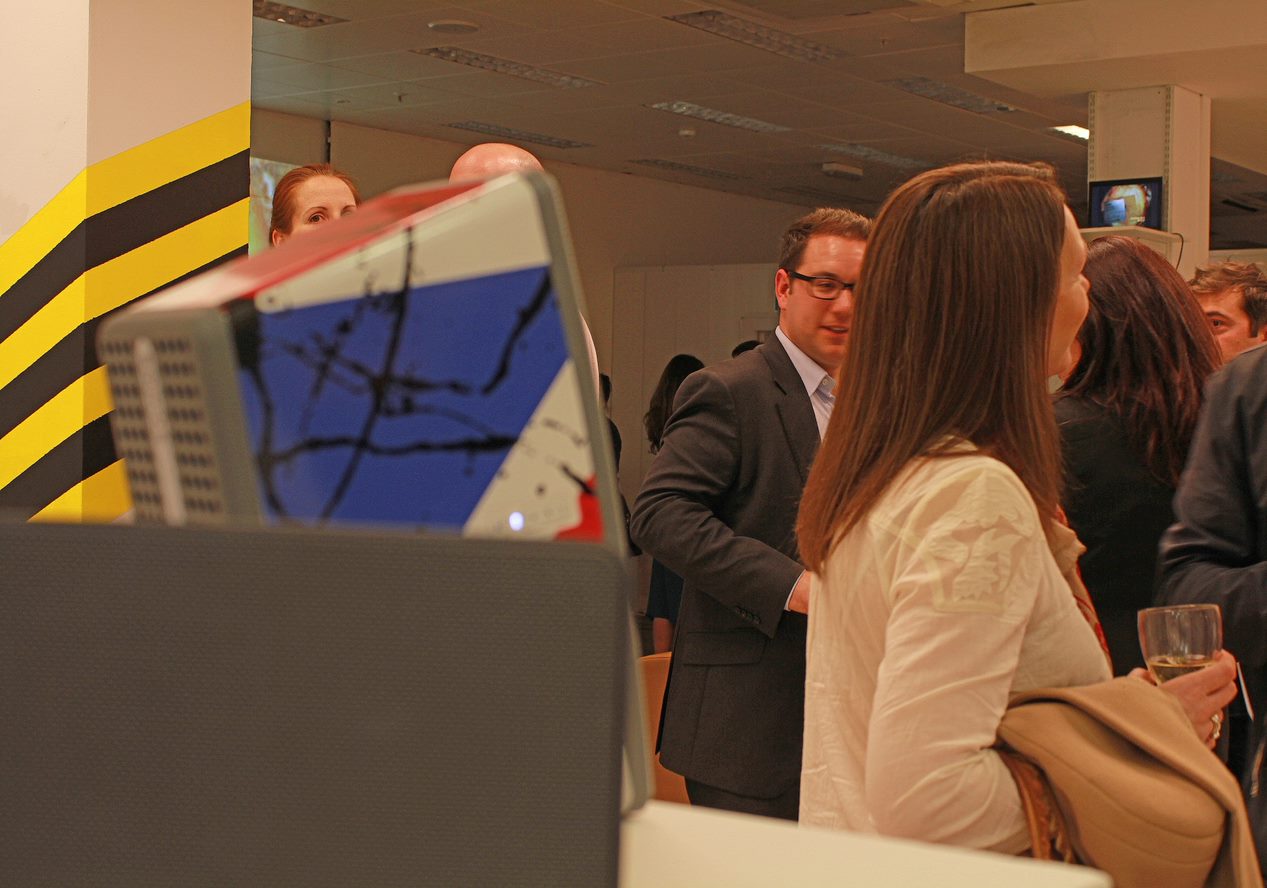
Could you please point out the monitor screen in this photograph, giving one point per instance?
(403, 407)
(1126, 202)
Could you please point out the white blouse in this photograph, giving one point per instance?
(936, 609)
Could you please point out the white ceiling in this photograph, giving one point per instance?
(363, 71)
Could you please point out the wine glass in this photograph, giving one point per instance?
(1179, 639)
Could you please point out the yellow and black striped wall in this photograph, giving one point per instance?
(123, 228)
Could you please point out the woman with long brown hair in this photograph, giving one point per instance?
(930, 516)
(1126, 414)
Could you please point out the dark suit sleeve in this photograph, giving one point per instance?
(1210, 555)
(690, 494)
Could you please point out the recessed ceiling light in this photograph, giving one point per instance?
(1081, 133)
(750, 33)
(506, 66)
(866, 152)
(292, 15)
(516, 135)
(676, 167)
(453, 26)
(712, 115)
(949, 95)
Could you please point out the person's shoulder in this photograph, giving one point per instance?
(739, 373)
(962, 477)
(1070, 408)
(1083, 422)
(1249, 367)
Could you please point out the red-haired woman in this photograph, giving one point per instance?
(1126, 415)
(308, 196)
(930, 515)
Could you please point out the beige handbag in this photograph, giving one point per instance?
(1137, 794)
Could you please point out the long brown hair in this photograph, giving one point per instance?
(1146, 351)
(949, 340)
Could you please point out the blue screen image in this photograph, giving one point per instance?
(399, 408)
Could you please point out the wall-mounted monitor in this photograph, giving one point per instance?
(1138, 201)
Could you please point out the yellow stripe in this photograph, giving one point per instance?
(45, 230)
(114, 180)
(83, 401)
(119, 281)
(170, 157)
(102, 498)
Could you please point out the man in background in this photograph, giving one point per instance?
(718, 507)
(1234, 297)
(1216, 551)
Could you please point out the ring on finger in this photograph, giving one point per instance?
(1217, 721)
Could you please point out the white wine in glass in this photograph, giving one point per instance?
(1180, 639)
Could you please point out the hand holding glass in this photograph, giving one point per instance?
(1179, 639)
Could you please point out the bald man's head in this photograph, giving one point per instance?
(493, 159)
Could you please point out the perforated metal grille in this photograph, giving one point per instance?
(191, 430)
(127, 423)
(187, 418)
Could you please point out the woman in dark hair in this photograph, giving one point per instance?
(661, 406)
(665, 594)
(945, 583)
(1126, 416)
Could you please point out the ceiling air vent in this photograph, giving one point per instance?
(676, 167)
(292, 15)
(949, 95)
(516, 135)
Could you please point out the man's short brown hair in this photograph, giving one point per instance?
(1246, 277)
(824, 220)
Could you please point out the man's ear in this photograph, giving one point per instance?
(782, 287)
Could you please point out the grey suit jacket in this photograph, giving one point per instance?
(718, 507)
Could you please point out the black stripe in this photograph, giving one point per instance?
(80, 456)
(65, 362)
(121, 229)
(149, 216)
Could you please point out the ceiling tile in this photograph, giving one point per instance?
(646, 34)
(314, 76)
(358, 38)
(712, 58)
(555, 13)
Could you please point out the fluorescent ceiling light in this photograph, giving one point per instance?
(515, 135)
(506, 66)
(866, 152)
(712, 115)
(292, 15)
(1080, 133)
(749, 33)
(949, 95)
(685, 168)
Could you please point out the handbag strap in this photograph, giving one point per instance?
(1048, 832)
(1066, 548)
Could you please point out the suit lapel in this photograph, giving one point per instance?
(796, 414)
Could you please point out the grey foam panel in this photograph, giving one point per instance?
(246, 707)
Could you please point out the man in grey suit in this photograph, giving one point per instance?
(718, 507)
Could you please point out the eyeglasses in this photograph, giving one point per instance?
(825, 288)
